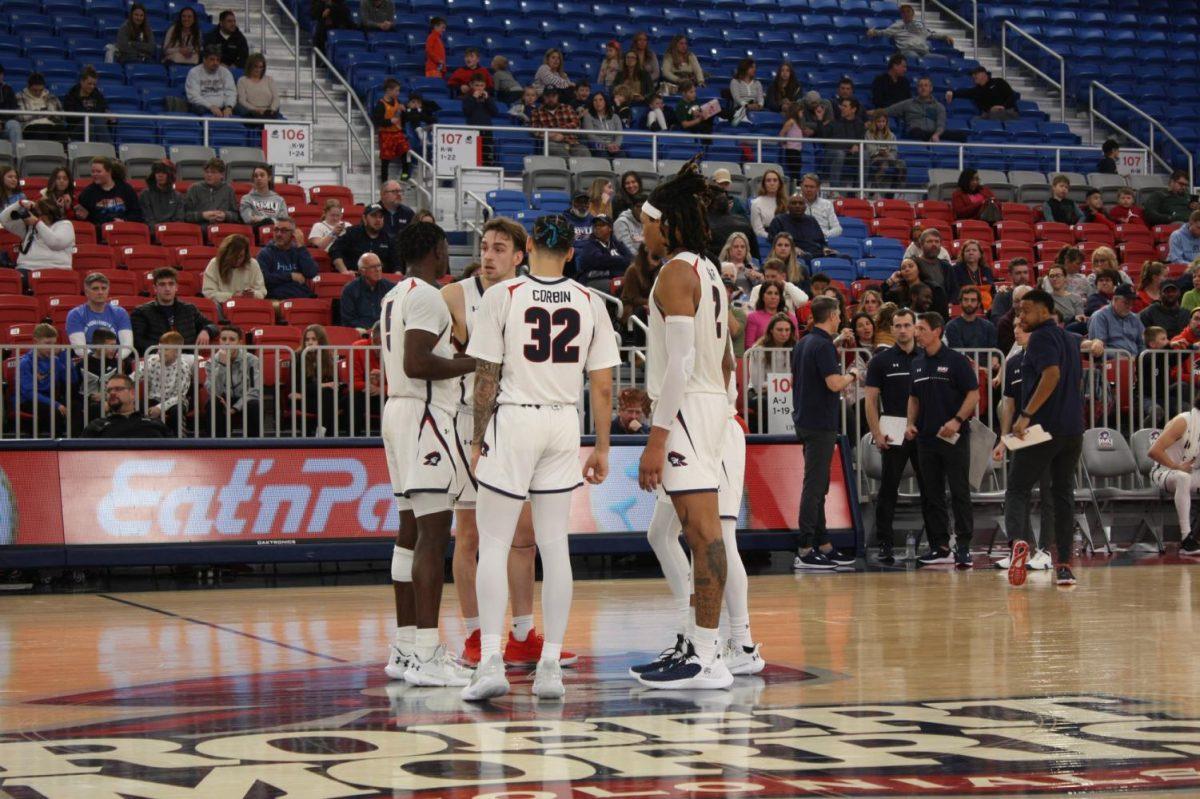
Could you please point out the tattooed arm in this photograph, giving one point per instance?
(487, 385)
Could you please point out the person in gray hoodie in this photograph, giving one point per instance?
(210, 88)
(628, 227)
(235, 387)
(924, 118)
(262, 205)
(159, 201)
(212, 199)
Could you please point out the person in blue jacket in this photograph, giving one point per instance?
(600, 257)
(43, 383)
(287, 266)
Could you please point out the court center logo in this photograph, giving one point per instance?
(343, 732)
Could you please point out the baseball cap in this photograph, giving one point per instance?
(722, 176)
(1171, 287)
(550, 90)
(602, 219)
(581, 195)
(373, 208)
(1125, 290)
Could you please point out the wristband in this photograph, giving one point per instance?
(960, 420)
(1026, 415)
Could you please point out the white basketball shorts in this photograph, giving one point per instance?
(694, 445)
(422, 450)
(531, 450)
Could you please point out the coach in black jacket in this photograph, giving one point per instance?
(124, 420)
(166, 312)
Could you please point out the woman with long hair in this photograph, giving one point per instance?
(10, 187)
(647, 60)
(1149, 285)
(1070, 258)
(331, 225)
(551, 72)
(680, 64)
(770, 200)
(233, 273)
(604, 127)
(883, 325)
(600, 197)
(610, 67)
(633, 79)
(783, 248)
(628, 193)
(884, 166)
(135, 39)
(869, 302)
(971, 195)
(109, 198)
(770, 302)
(182, 42)
(318, 398)
(257, 97)
(784, 88)
(635, 289)
(736, 251)
(745, 89)
(60, 187)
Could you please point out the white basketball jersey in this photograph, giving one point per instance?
(416, 305)
(472, 291)
(1188, 445)
(706, 375)
(546, 333)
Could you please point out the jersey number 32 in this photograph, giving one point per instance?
(548, 345)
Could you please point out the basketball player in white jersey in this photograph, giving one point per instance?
(688, 363)
(534, 338)
(426, 462)
(741, 654)
(501, 252)
(1175, 453)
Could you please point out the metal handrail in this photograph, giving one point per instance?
(352, 100)
(484, 206)
(1093, 114)
(611, 300)
(972, 27)
(1005, 52)
(88, 116)
(293, 46)
(428, 169)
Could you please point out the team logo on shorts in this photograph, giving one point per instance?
(433, 459)
(675, 459)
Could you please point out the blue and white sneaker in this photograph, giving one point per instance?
(963, 559)
(689, 672)
(936, 556)
(813, 560)
(664, 657)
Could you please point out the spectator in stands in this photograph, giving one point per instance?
(724, 220)
(209, 87)
(910, 36)
(420, 115)
(369, 236)
(1059, 207)
(109, 198)
(628, 227)
(435, 49)
(43, 382)
(628, 193)
(1127, 211)
(1093, 211)
(234, 386)
(166, 378)
(1102, 258)
(633, 413)
(257, 97)
(807, 236)
(680, 64)
(86, 97)
(47, 239)
(635, 288)
(769, 303)
(98, 314)
(842, 159)
(388, 116)
(124, 420)
(783, 249)
(1150, 285)
(1189, 337)
(362, 298)
(580, 216)
(775, 270)
(329, 15)
(508, 89)
(818, 207)
(181, 45)
(935, 270)
(993, 97)
(233, 273)
(318, 380)
(1002, 302)
(261, 205)
(522, 110)
(610, 67)
(845, 91)
(892, 86)
(553, 114)
(10, 186)
(913, 249)
(599, 117)
(579, 98)
(884, 167)
(1166, 312)
(902, 288)
(135, 39)
(724, 181)
(658, 116)
(60, 188)
(40, 123)
(234, 47)
(770, 201)
(1184, 244)
(971, 196)
(8, 102)
(551, 75)
(971, 330)
(689, 111)
(211, 200)
(98, 363)
(1191, 298)
(167, 312)
(1173, 205)
(377, 15)
(600, 257)
(736, 319)
(159, 201)
(366, 394)
(633, 79)
(745, 89)
(460, 79)
(287, 266)
(1117, 325)
(1108, 163)
(736, 253)
(972, 268)
(331, 225)
(478, 109)
(1107, 281)
(817, 113)
(770, 353)
(784, 88)
(647, 60)
(1068, 304)
(924, 118)
(600, 197)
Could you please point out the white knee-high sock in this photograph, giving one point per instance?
(551, 513)
(664, 540)
(496, 516)
(737, 586)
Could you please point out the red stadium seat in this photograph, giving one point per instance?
(215, 234)
(1053, 231)
(307, 312)
(935, 209)
(17, 309)
(1087, 248)
(1163, 232)
(1019, 248)
(853, 206)
(330, 284)
(57, 306)
(859, 286)
(353, 214)
(267, 335)
(292, 193)
(193, 258)
(305, 216)
(974, 229)
(1048, 250)
(263, 235)
(1013, 230)
(324, 262)
(277, 369)
(342, 336)
(319, 194)
(1094, 232)
(1017, 212)
(10, 282)
(139, 257)
(892, 227)
(895, 209)
(178, 234)
(85, 232)
(1134, 233)
(32, 186)
(126, 301)
(207, 307)
(90, 257)
(54, 281)
(121, 282)
(247, 311)
(944, 228)
(17, 334)
(1135, 253)
(119, 234)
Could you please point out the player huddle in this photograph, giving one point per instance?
(484, 379)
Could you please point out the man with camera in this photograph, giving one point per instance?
(47, 238)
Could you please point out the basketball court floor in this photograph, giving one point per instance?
(900, 683)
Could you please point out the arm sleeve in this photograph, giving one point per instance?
(603, 352)
(487, 339)
(681, 354)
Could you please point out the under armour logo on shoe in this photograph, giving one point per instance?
(433, 459)
(675, 459)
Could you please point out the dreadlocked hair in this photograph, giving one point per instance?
(417, 240)
(684, 200)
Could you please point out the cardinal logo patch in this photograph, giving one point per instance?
(675, 459)
(433, 459)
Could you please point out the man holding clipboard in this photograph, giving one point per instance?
(1050, 397)
(889, 381)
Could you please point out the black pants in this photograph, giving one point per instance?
(943, 464)
(324, 408)
(247, 419)
(818, 454)
(895, 457)
(1060, 457)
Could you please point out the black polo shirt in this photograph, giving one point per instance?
(1013, 380)
(890, 371)
(940, 383)
(814, 406)
(1050, 345)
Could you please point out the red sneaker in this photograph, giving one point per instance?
(529, 651)
(470, 653)
(1016, 569)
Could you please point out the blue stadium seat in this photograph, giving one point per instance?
(837, 268)
(853, 227)
(550, 201)
(850, 246)
(883, 247)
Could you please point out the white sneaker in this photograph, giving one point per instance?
(1004, 563)
(690, 672)
(548, 682)
(1041, 561)
(487, 681)
(439, 671)
(741, 661)
(397, 664)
